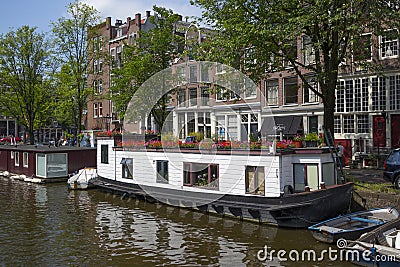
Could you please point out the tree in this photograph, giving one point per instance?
(259, 35)
(26, 66)
(154, 51)
(73, 43)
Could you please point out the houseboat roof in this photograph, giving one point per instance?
(44, 148)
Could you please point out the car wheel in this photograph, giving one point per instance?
(397, 182)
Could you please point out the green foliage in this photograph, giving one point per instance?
(311, 137)
(73, 45)
(198, 136)
(26, 66)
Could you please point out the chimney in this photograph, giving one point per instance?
(108, 23)
(147, 13)
(138, 19)
(118, 22)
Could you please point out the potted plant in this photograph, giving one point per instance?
(298, 141)
(311, 140)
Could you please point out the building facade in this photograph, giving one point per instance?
(367, 114)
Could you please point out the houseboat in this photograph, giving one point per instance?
(45, 163)
(288, 188)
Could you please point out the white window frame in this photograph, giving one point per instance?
(25, 159)
(385, 43)
(16, 158)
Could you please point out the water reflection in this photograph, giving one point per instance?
(47, 225)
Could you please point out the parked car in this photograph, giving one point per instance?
(8, 139)
(391, 168)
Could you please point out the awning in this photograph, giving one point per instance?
(291, 125)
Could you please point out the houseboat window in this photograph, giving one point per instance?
(255, 180)
(305, 175)
(56, 165)
(16, 158)
(104, 154)
(12, 154)
(25, 159)
(328, 173)
(41, 165)
(127, 168)
(162, 171)
(201, 175)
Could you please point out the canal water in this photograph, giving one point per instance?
(48, 225)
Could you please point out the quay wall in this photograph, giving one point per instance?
(379, 199)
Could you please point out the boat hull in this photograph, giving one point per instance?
(298, 210)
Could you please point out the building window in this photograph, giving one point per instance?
(205, 96)
(98, 87)
(25, 159)
(340, 97)
(97, 110)
(349, 96)
(104, 154)
(232, 127)
(271, 92)
(220, 68)
(181, 97)
(16, 159)
(361, 95)
(389, 44)
(193, 97)
(291, 90)
(249, 127)
(97, 43)
(337, 124)
(100, 60)
(255, 180)
(127, 168)
(201, 175)
(12, 155)
(220, 127)
(378, 93)
(308, 51)
(221, 93)
(362, 48)
(348, 123)
(119, 32)
(394, 92)
(308, 94)
(119, 56)
(205, 73)
(162, 171)
(191, 122)
(250, 89)
(193, 74)
(363, 124)
(291, 52)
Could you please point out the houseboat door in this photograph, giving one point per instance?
(379, 131)
(395, 130)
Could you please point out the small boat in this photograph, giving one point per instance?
(83, 179)
(352, 226)
(380, 247)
